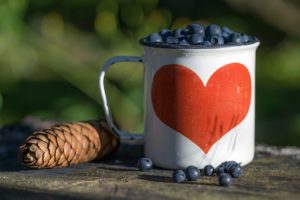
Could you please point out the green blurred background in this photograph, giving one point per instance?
(51, 52)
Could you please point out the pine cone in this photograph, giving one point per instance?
(68, 144)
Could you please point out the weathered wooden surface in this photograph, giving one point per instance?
(274, 174)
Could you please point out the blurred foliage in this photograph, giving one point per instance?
(51, 53)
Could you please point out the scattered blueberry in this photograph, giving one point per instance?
(196, 34)
(196, 39)
(219, 170)
(192, 173)
(155, 38)
(213, 29)
(230, 165)
(196, 29)
(208, 170)
(235, 171)
(178, 176)
(225, 180)
(144, 164)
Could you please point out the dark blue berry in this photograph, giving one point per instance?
(225, 35)
(235, 38)
(208, 170)
(252, 39)
(192, 173)
(227, 165)
(172, 40)
(196, 39)
(164, 33)
(235, 171)
(144, 164)
(186, 32)
(245, 39)
(155, 38)
(219, 170)
(213, 29)
(226, 30)
(178, 176)
(225, 180)
(178, 33)
(183, 41)
(196, 29)
(207, 43)
(217, 40)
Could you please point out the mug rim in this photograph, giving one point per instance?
(196, 47)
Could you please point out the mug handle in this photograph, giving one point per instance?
(122, 135)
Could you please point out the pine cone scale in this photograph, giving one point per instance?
(71, 155)
(57, 154)
(32, 148)
(42, 145)
(46, 156)
(33, 141)
(52, 139)
(43, 138)
(61, 159)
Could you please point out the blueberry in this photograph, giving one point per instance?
(172, 40)
(232, 167)
(232, 163)
(226, 30)
(144, 164)
(245, 39)
(219, 170)
(155, 38)
(178, 33)
(252, 39)
(235, 38)
(178, 176)
(208, 170)
(164, 33)
(186, 32)
(196, 39)
(227, 165)
(225, 179)
(192, 173)
(217, 40)
(225, 35)
(206, 43)
(235, 171)
(196, 29)
(183, 41)
(213, 29)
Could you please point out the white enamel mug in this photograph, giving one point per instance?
(199, 104)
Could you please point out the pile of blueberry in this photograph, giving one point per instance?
(196, 35)
(225, 171)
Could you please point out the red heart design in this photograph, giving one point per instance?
(201, 113)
